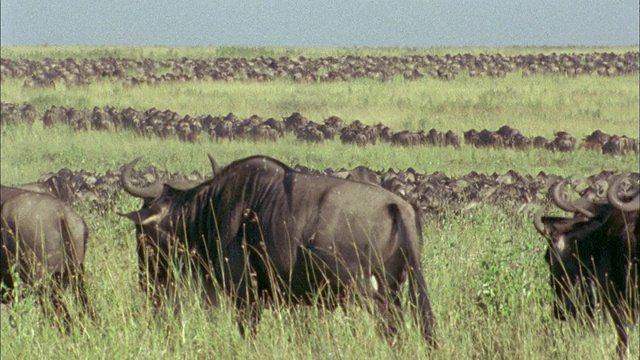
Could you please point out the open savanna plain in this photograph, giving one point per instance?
(488, 280)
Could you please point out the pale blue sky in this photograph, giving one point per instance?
(306, 23)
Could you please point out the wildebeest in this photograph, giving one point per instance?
(305, 237)
(597, 247)
(46, 240)
(563, 142)
(54, 185)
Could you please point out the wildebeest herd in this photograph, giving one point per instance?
(167, 124)
(263, 232)
(133, 72)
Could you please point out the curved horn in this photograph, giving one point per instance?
(179, 184)
(556, 196)
(615, 201)
(537, 223)
(150, 192)
(214, 164)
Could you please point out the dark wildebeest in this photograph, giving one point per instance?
(46, 240)
(307, 238)
(54, 185)
(598, 248)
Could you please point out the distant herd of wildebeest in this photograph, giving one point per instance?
(262, 231)
(79, 72)
(167, 124)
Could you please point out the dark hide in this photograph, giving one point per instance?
(601, 251)
(46, 240)
(304, 237)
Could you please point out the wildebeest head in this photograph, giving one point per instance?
(157, 197)
(155, 231)
(569, 249)
(573, 252)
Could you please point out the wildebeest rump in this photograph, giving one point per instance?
(46, 240)
(302, 235)
(597, 247)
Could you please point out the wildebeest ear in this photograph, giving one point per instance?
(144, 216)
(557, 225)
(578, 228)
(555, 230)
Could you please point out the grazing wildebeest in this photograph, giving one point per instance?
(305, 237)
(46, 240)
(597, 247)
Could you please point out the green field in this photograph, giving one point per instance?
(487, 278)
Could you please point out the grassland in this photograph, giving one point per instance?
(536, 105)
(485, 269)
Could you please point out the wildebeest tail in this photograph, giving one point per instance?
(410, 235)
(72, 231)
(67, 244)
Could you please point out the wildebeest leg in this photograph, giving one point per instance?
(619, 310)
(587, 291)
(6, 286)
(8, 298)
(236, 275)
(249, 311)
(80, 292)
(6, 278)
(6, 293)
(50, 295)
(623, 340)
(387, 301)
(249, 314)
(592, 301)
(209, 291)
(617, 314)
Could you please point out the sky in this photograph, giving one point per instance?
(320, 23)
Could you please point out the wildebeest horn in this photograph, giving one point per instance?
(615, 201)
(537, 223)
(176, 184)
(150, 192)
(556, 196)
(214, 164)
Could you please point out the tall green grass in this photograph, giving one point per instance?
(485, 270)
(487, 281)
(537, 105)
